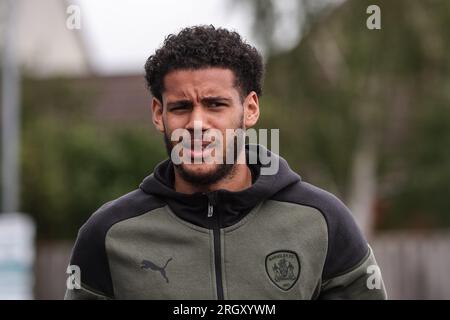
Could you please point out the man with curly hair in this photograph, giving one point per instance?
(220, 229)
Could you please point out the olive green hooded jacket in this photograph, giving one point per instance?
(281, 238)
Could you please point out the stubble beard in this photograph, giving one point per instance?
(220, 172)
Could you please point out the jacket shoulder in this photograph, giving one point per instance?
(89, 251)
(346, 243)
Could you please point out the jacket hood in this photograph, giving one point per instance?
(229, 207)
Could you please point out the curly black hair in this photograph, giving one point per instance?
(201, 47)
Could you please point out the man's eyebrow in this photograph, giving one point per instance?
(179, 103)
(215, 99)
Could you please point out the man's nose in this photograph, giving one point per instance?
(197, 119)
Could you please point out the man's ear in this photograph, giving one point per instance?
(157, 114)
(251, 109)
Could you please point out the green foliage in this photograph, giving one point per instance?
(72, 163)
(392, 85)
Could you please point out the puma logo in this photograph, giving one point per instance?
(145, 264)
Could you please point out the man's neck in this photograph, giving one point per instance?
(240, 178)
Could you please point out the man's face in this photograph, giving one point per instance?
(210, 98)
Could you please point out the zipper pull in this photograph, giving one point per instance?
(211, 203)
(210, 209)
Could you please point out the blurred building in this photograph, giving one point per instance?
(45, 46)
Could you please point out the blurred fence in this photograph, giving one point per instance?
(414, 266)
(52, 259)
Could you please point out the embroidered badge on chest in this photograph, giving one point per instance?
(283, 268)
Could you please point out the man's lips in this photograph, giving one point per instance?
(199, 149)
(198, 143)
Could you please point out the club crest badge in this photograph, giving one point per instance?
(283, 268)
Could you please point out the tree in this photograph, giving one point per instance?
(359, 110)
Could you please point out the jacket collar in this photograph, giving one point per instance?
(228, 207)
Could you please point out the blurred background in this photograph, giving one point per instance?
(363, 113)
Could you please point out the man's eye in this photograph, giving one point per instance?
(216, 104)
(179, 108)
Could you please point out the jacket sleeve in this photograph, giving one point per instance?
(362, 282)
(90, 259)
(83, 294)
(350, 269)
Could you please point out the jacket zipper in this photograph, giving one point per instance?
(216, 241)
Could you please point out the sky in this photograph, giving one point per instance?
(121, 35)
